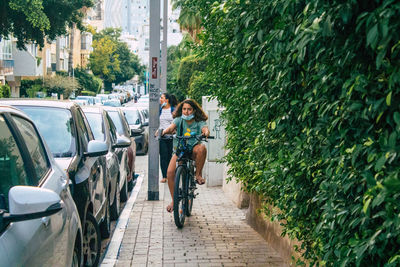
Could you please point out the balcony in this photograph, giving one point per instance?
(6, 67)
(25, 64)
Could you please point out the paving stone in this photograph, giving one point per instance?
(215, 235)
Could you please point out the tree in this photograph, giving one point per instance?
(129, 64)
(34, 21)
(87, 81)
(103, 61)
(111, 59)
(60, 84)
(189, 18)
(187, 68)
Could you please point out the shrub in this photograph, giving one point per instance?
(188, 65)
(27, 84)
(5, 91)
(311, 91)
(87, 81)
(88, 93)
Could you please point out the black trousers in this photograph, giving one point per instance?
(165, 155)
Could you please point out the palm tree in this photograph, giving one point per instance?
(189, 19)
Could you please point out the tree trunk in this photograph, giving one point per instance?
(71, 50)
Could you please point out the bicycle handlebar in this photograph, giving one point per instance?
(198, 137)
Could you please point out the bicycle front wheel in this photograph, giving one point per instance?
(190, 198)
(180, 196)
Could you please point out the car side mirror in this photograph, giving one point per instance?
(146, 123)
(136, 132)
(29, 203)
(122, 142)
(96, 148)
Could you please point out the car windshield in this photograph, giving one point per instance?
(112, 103)
(117, 121)
(96, 124)
(56, 126)
(132, 116)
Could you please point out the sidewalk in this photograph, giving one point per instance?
(215, 235)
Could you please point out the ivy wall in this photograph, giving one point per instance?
(312, 93)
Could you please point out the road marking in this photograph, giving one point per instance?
(113, 247)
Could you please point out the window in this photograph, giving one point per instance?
(56, 127)
(97, 126)
(12, 170)
(117, 121)
(84, 135)
(34, 145)
(113, 131)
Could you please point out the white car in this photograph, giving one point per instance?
(39, 222)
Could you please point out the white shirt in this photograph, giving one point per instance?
(165, 118)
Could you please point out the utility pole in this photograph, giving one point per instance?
(164, 48)
(154, 99)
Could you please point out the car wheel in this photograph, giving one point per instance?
(91, 241)
(105, 227)
(131, 184)
(124, 192)
(76, 256)
(116, 204)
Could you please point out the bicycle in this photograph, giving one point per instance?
(185, 183)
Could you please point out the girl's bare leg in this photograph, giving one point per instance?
(199, 155)
(171, 180)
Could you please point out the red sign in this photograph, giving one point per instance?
(154, 67)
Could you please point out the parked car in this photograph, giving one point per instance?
(81, 102)
(126, 155)
(70, 139)
(112, 103)
(104, 130)
(138, 128)
(103, 97)
(89, 99)
(39, 222)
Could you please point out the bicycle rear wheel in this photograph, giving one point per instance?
(180, 196)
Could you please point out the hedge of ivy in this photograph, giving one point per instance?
(312, 93)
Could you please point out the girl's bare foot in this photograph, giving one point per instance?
(200, 180)
(163, 180)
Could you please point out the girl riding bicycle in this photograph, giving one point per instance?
(190, 119)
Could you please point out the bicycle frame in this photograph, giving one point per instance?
(185, 185)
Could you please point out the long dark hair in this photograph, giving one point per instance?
(171, 99)
(199, 114)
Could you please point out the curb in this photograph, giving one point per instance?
(113, 247)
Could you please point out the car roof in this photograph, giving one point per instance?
(109, 108)
(129, 108)
(14, 110)
(92, 109)
(66, 104)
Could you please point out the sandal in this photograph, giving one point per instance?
(163, 180)
(200, 180)
(170, 207)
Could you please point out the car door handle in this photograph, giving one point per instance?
(46, 221)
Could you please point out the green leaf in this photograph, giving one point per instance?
(396, 118)
(260, 36)
(372, 36)
(389, 98)
(380, 162)
(369, 142)
(366, 205)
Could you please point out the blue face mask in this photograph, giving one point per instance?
(188, 118)
(163, 104)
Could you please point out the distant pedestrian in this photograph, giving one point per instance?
(168, 103)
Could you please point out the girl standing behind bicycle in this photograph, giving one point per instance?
(189, 119)
(168, 104)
